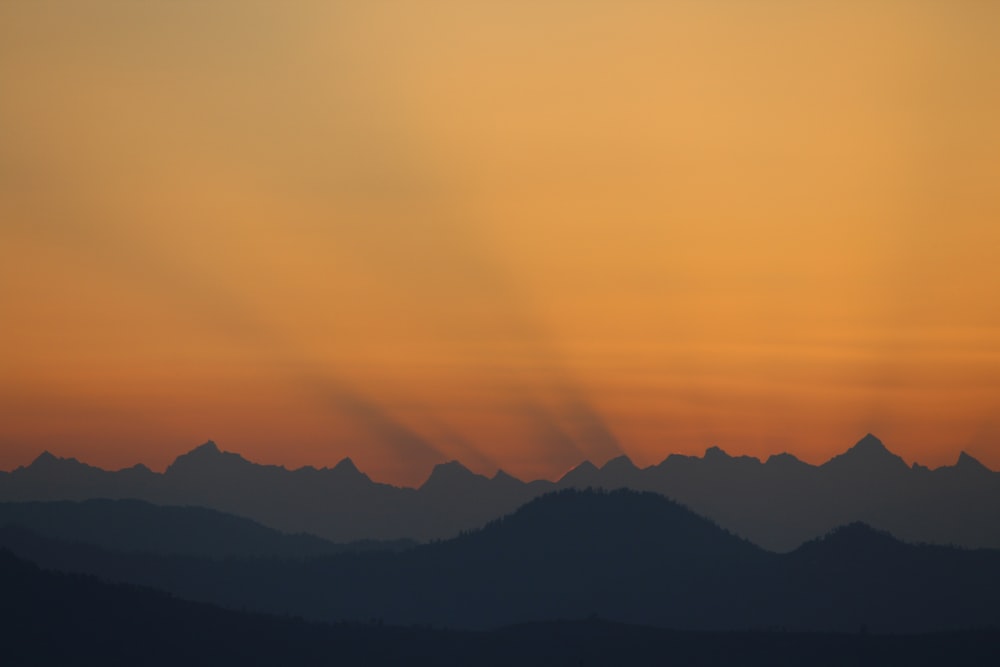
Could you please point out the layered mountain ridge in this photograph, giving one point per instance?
(778, 503)
(59, 619)
(627, 556)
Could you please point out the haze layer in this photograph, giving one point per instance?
(518, 234)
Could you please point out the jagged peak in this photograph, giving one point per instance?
(347, 470)
(346, 465)
(584, 473)
(45, 457)
(869, 450)
(207, 454)
(869, 443)
(872, 446)
(503, 476)
(969, 462)
(209, 447)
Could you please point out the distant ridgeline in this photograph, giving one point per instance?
(625, 556)
(51, 618)
(777, 504)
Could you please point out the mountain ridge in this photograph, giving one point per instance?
(53, 618)
(140, 527)
(210, 449)
(627, 556)
(778, 503)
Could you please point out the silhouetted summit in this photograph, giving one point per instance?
(46, 458)
(870, 442)
(205, 458)
(48, 462)
(452, 476)
(575, 521)
(502, 477)
(868, 456)
(208, 448)
(582, 476)
(346, 467)
(969, 463)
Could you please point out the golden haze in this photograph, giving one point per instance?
(518, 234)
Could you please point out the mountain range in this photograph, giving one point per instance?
(50, 618)
(626, 556)
(777, 504)
(141, 527)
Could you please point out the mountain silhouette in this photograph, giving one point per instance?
(50, 618)
(582, 476)
(625, 556)
(968, 464)
(347, 472)
(777, 504)
(453, 477)
(868, 457)
(138, 526)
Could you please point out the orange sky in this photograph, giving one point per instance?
(518, 234)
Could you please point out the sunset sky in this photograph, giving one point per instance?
(519, 234)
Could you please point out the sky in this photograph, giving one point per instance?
(517, 234)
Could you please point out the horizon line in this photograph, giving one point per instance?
(710, 452)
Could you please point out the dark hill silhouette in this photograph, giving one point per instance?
(625, 556)
(572, 551)
(49, 618)
(778, 504)
(868, 574)
(134, 525)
